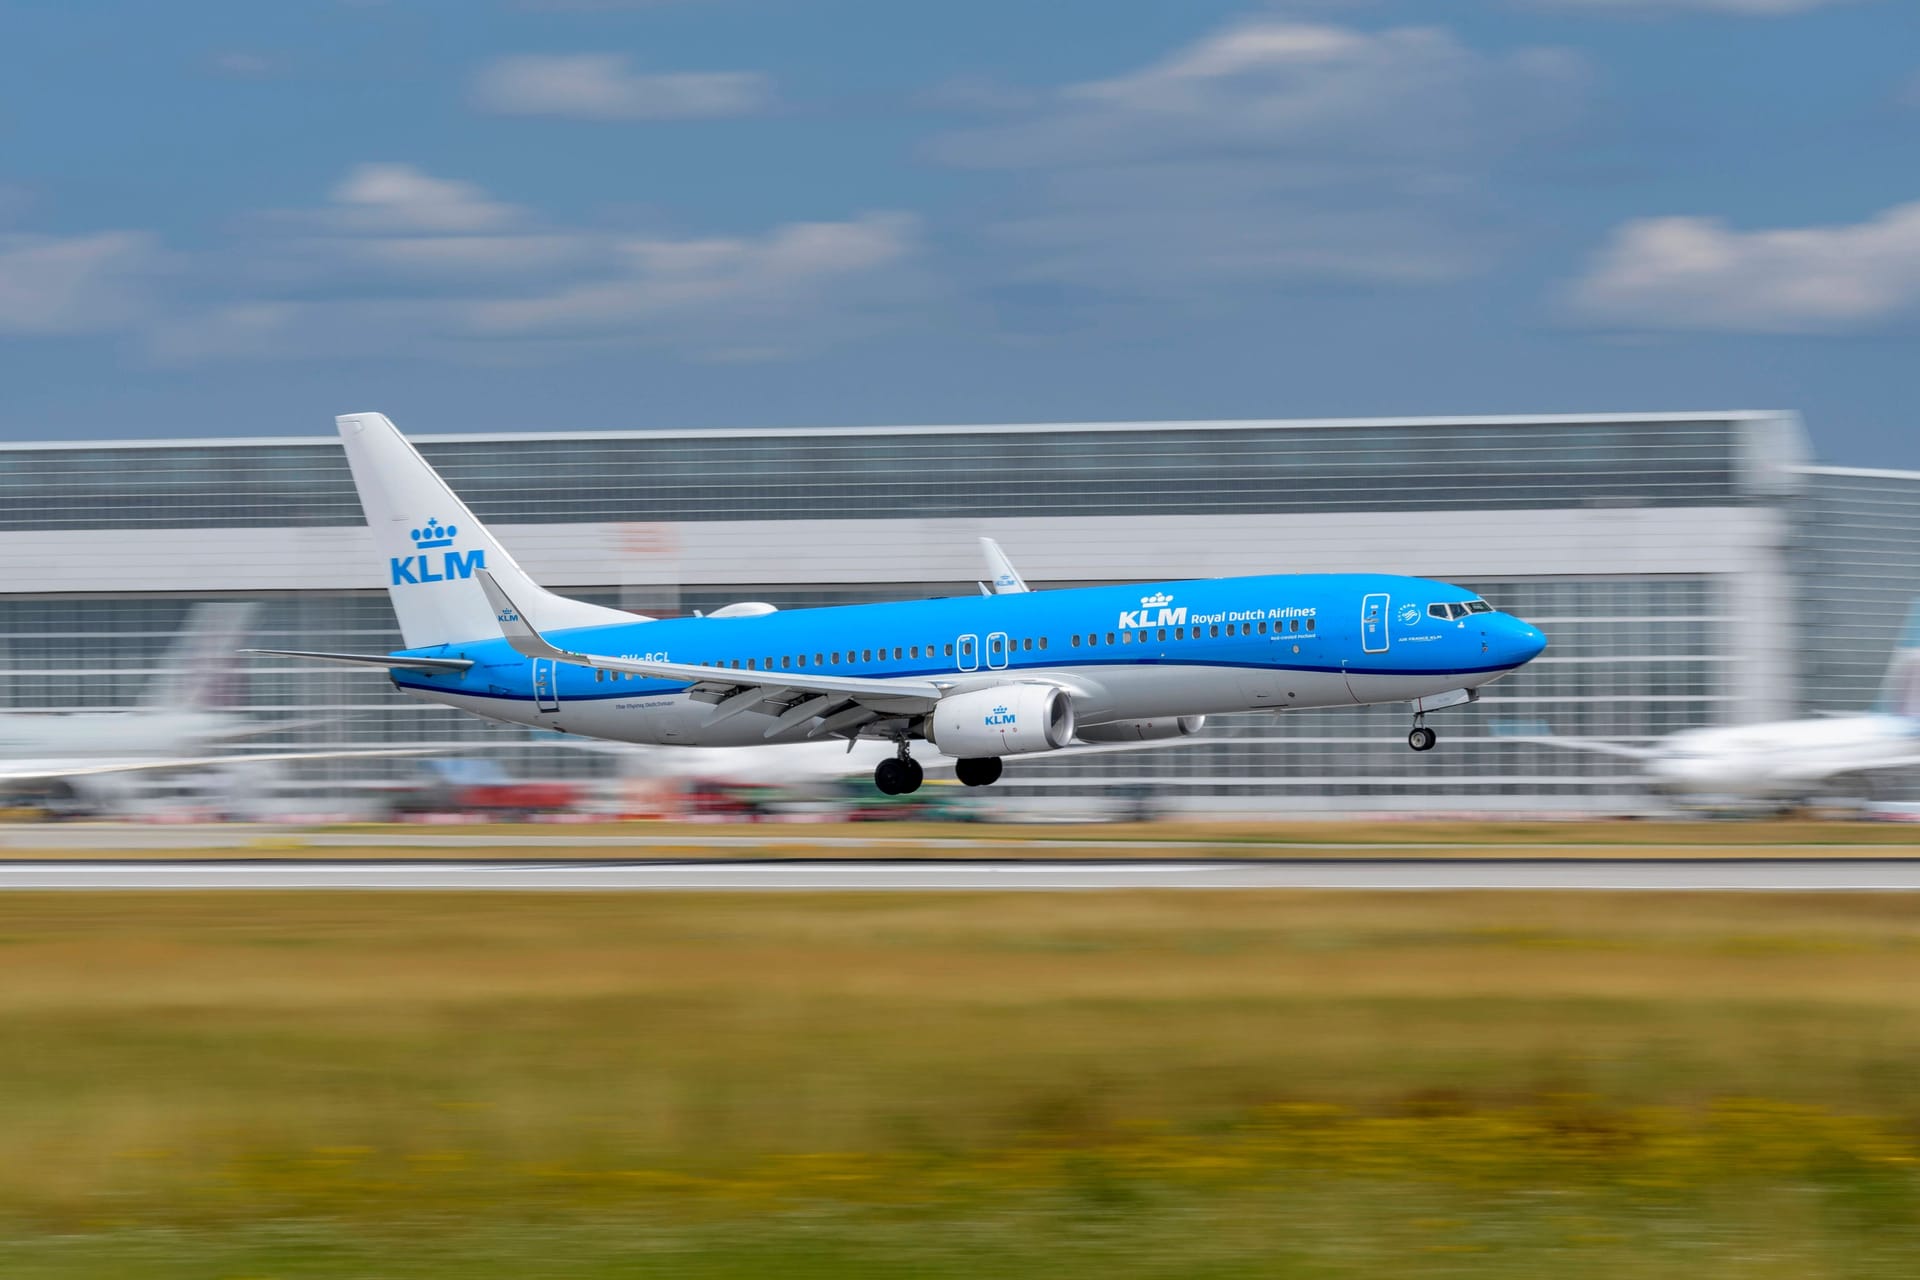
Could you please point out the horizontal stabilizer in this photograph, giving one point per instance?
(392, 662)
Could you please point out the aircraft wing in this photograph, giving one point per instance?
(91, 766)
(1830, 767)
(883, 696)
(1617, 749)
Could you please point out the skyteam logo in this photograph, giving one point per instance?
(1001, 717)
(449, 564)
(1145, 615)
(1410, 614)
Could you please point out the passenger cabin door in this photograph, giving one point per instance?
(546, 690)
(1373, 622)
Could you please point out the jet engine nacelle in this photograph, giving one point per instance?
(1143, 730)
(1010, 720)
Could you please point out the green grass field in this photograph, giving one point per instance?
(1109, 1085)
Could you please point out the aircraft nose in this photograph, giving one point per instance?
(1522, 642)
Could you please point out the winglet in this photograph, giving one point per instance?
(520, 633)
(1006, 579)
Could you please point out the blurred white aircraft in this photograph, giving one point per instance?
(83, 759)
(1785, 761)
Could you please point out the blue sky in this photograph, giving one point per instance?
(231, 219)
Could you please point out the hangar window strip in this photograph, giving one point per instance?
(1181, 470)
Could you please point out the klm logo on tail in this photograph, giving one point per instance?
(450, 565)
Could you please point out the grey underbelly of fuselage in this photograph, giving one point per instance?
(1099, 695)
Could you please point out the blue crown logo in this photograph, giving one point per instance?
(1157, 600)
(999, 711)
(433, 534)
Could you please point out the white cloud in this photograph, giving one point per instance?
(1748, 8)
(401, 260)
(1272, 149)
(52, 285)
(1267, 88)
(1697, 273)
(601, 86)
(400, 198)
(771, 283)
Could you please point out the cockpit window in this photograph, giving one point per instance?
(1436, 611)
(1479, 606)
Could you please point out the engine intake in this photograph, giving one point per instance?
(1143, 730)
(1006, 721)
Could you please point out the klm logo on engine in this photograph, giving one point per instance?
(1000, 717)
(448, 565)
(1146, 615)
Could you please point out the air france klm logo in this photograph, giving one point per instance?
(1145, 615)
(448, 566)
(1001, 717)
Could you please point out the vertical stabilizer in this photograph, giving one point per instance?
(429, 546)
(199, 672)
(1900, 694)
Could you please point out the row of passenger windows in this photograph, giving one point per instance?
(1458, 610)
(1199, 633)
(901, 653)
(1025, 644)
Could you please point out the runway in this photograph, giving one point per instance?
(1845, 875)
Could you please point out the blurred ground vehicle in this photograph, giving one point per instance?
(458, 785)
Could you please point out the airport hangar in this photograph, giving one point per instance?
(1690, 569)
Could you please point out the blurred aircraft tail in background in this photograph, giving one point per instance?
(199, 672)
(1900, 693)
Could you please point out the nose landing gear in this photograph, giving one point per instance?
(1422, 738)
(900, 776)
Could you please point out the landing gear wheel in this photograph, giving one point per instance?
(1422, 738)
(978, 771)
(900, 776)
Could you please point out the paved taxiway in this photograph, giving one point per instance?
(1759, 875)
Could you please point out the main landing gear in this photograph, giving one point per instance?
(1422, 738)
(900, 776)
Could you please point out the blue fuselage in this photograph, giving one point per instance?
(1199, 647)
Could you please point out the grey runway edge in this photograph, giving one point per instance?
(933, 875)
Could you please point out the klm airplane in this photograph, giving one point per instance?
(980, 678)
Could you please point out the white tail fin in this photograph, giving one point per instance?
(1900, 692)
(429, 545)
(199, 672)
